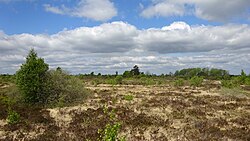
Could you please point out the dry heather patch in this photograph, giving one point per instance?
(155, 113)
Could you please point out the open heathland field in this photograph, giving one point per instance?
(144, 112)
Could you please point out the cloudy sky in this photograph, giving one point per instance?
(113, 35)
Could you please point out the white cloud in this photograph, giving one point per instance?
(212, 10)
(164, 9)
(118, 46)
(180, 37)
(177, 26)
(222, 10)
(52, 9)
(98, 10)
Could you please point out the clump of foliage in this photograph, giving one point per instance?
(111, 130)
(228, 84)
(127, 74)
(128, 97)
(147, 81)
(212, 73)
(247, 81)
(179, 82)
(31, 78)
(114, 81)
(63, 89)
(7, 78)
(111, 81)
(13, 117)
(135, 70)
(118, 79)
(236, 81)
(244, 79)
(196, 81)
(54, 87)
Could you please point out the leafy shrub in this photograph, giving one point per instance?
(31, 78)
(247, 81)
(128, 97)
(179, 82)
(63, 89)
(111, 81)
(13, 117)
(118, 79)
(147, 81)
(111, 130)
(10, 95)
(110, 133)
(227, 84)
(233, 82)
(114, 81)
(196, 81)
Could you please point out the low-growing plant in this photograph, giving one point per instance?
(118, 79)
(128, 97)
(147, 81)
(111, 81)
(196, 81)
(111, 130)
(179, 82)
(247, 81)
(13, 117)
(228, 84)
(233, 82)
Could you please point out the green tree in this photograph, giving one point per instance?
(30, 78)
(243, 77)
(127, 74)
(135, 70)
(92, 74)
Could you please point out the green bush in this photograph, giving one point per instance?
(110, 133)
(228, 84)
(236, 82)
(31, 77)
(247, 81)
(179, 82)
(111, 130)
(55, 87)
(10, 95)
(196, 81)
(13, 117)
(147, 81)
(111, 81)
(118, 79)
(63, 89)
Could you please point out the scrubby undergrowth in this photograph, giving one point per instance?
(160, 112)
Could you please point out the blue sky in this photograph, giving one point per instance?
(189, 33)
(30, 17)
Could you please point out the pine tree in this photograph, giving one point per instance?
(31, 77)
